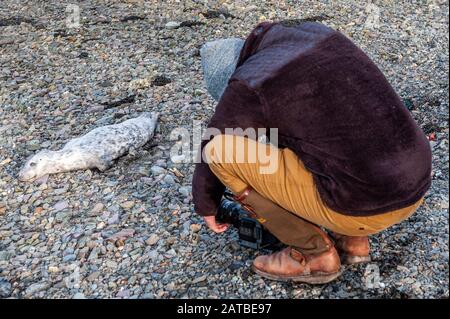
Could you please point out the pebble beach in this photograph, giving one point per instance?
(131, 231)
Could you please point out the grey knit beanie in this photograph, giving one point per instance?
(219, 60)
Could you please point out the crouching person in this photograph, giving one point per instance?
(350, 160)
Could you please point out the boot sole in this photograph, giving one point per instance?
(354, 260)
(316, 278)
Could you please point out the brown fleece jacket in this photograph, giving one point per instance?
(335, 109)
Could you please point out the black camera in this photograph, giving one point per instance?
(251, 233)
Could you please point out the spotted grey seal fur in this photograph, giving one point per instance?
(96, 149)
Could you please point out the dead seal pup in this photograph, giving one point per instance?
(96, 149)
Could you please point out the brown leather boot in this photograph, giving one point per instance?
(352, 249)
(290, 264)
(310, 256)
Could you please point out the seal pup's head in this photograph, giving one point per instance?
(219, 61)
(36, 166)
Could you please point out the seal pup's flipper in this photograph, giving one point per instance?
(104, 163)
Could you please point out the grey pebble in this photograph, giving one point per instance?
(169, 179)
(5, 288)
(172, 25)
(184, 191)
(157, 170)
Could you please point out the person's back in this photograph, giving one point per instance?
(335, 109)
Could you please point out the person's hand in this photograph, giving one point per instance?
(210, 221)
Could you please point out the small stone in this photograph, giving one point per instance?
(153, 239)
(5, 288)
(33, 145)
(93, 276)
(168, 179)
(53, 269)
(127, 204)
(184, 191)
(157, 170)
(105, 84)
(171, 240)
(114, 219)
(123, 234)
(161, 162)
(5, 161)
(105, 215)
(98, 208)
(195, 228)
(235, 245)
(111, 264)
(70, 257)
(60, 206)
(101, 225)
(172, 25)
(153, 254)
(171, 253)
(95, 109)
(402, 268)
(60, 191)
(42, 180)
(199, 279)
(235, 265)
(34, 288)
(24, 209)
(178, 159)
(123, 294)
(147, 180)
(79, 295)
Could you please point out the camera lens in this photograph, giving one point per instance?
(229, 212)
